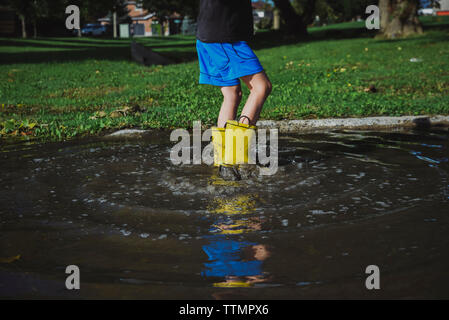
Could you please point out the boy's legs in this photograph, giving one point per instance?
(260, 88)
(232, 95)
(231, 99)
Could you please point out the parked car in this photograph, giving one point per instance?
(92, 29)
(426, 12)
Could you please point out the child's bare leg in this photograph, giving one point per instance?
(231, 100)
(260, 88)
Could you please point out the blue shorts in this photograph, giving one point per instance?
(222, 64)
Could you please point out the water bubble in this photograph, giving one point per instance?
(125, 232)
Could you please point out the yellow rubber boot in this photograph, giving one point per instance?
(239, 138)
(218, 141)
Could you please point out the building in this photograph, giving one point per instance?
(262, 10)
(444, 8)
(145, 24)
(142, 21)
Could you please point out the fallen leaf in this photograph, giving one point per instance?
(371, 89)
(10, 259)
(97, 115)
(115, 114)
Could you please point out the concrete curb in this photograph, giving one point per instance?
(128, 133)
(370, 123)
(291, 126)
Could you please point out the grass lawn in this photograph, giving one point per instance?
(56, 88)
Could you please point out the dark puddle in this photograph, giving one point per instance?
(139, 227)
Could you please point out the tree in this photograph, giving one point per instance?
(399, 18)
(39, 9)
(91, 10)
(164, 8)
(295, 19)
(22, 8)
(346, 10)
(111, 8)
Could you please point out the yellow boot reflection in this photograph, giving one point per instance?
(240, 205)
(238, 262)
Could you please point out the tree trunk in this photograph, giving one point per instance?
(294, 23)
(385, 9)
(166, 28)
(114, 24)
(276, 19)
(399, 18)
(34, 29)
(24, 30)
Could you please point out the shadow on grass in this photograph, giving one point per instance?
(429, 26)
(434, 38)
(270, 39)
(69, 43)
(100, 53)
(71, 50)
(66, 50)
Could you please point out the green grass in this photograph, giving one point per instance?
(56, 88)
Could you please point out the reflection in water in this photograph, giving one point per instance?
(420, 156)
(239, 263)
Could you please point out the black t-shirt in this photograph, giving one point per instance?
(225, 21)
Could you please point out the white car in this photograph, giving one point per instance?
(426, 12)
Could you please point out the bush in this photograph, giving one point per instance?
(264, 24)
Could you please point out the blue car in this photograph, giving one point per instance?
(92, 29)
